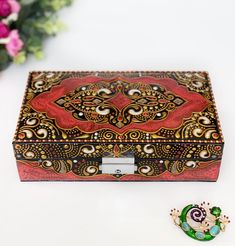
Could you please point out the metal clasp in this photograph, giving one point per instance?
(118, 165)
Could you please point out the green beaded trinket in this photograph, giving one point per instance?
(200, 222)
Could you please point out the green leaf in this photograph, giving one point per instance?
(39, 55)
(27, 2)
(49, 26)
(37, 20)
(55, 5)
(4, 59)
(20, 58)
(34, 44)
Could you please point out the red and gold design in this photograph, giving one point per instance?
(92, 103)
(146, 151)
(88, 171)
(166, 120)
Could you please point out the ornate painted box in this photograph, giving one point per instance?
(118, 126)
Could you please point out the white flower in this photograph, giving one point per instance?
(10, 18)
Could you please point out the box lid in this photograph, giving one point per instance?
(169, 115)
(118, 107)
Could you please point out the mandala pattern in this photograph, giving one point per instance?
(120, 103)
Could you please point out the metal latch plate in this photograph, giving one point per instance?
(118, 165)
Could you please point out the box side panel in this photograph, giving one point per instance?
(216, 110)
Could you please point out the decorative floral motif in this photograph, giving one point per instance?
(120, 103)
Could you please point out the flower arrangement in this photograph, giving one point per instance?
(23, 26)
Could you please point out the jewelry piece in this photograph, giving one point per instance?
(200, 222)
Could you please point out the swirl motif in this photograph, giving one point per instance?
(106, 134)
(88, 149)
(198, 214)
(59, 166)
(43, 81)
(86, 168)
(135, 134)
(202, 124)
(194, 81)
(37, 125)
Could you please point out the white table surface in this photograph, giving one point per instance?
(122, 35)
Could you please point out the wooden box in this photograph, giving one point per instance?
(118, 126)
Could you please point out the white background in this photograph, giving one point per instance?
(122, 35)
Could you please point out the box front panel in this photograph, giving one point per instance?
(87, 170)
(119, 162)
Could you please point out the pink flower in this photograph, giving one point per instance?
(15, 44)
(4, 30)
(5, 8)
(15, 6)
(8, 7)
